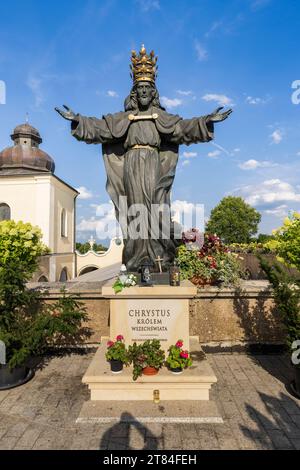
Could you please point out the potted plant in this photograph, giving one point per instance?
(147, 358)
(117, 354)
(178, 359)
(28, 326)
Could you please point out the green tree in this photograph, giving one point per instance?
(85, 247)
(264, 237)
(234, 220)
(286, 242)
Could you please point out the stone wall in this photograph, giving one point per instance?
(217, 316)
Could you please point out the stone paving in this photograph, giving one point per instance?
(251, 394)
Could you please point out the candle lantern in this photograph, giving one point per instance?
(146, 273)
(174, 274)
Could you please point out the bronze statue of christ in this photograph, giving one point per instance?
(140, 150)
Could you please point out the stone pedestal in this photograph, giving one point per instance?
(140, 313)
(157, 312)
(193, 384)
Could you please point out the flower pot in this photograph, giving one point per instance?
(116, 366)
(10, 378)
(150, 370)
(176, 370)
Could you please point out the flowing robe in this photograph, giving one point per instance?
(144, 175)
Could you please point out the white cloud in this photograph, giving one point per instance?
(222, 100)
(84, 193)
(87, 225)
(214, 154)
(202, 53)
(269, 192)
(170, 103)
(112, 94)
(254, 164)
(257, 4)
(298, 154)
(190, 154)
(104, 224)
(35, 86)
(277, 136)
(215, 26)
(147, 5)
(280, 211)
(184, 92)
(186, 162)
(188, 214)
(237, 150)
(256, 101)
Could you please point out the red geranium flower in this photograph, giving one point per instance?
(120, 338)
(184, 354)
(179, 344)
(110, 344)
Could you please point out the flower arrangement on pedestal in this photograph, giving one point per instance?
(147, 358)
(178, 359)
(213, 263)
(117, 354)
(124, 280)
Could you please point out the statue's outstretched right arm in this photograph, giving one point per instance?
(88, 129)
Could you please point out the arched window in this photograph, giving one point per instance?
(63, 223)
(4, 211)
(43, 279)
(63, 275)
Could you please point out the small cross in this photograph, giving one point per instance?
(159, 260)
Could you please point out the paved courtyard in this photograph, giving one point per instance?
(251, 395)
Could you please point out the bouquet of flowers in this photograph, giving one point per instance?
(124, 281)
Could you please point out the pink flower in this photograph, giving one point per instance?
(120, 338)
(110, 344)
(179, 344)
(184, 354)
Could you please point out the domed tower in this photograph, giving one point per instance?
(29, 191)
(25, 154)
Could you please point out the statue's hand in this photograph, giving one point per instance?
(68, 114)
(216, 116)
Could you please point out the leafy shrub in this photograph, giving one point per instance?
(286, 241)
(287, 298)
(28, 326)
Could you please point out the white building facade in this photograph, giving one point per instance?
(29, 191)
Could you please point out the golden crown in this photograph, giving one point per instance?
(143, 66)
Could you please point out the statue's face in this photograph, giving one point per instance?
(144, 92)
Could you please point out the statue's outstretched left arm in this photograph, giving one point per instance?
(198, 129)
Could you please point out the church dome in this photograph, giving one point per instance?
(25, 155)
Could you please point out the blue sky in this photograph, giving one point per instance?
(240, 53)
